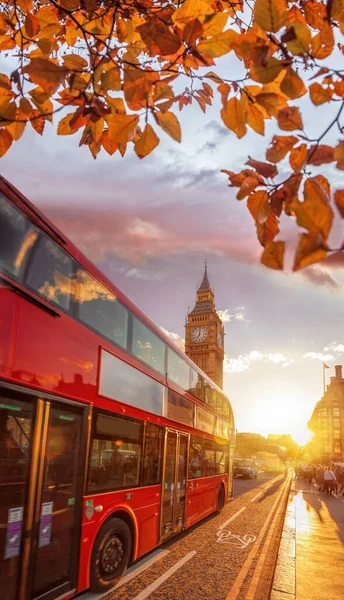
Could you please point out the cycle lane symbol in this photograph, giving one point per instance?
(239, 541)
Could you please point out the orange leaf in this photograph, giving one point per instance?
(323, 42)
(192, 31)
(247, 186)
(309, 250)
(298, 157)
(273, 255)
(74, 62)
(147, 142)
(264, 169)
(219, 44)
(64, 126)
(315, 213)
(258, 205)
(121, 127)
(289, 118)
(319, 94)
(339, 156)
(318, 155)
(267, 72)
(270, 15)
(280, 146)
(37, 121)
(255, 119)
(109, 146)
(17, 128)
(272, 102)
(169, 124)
(233, 116)
(268, 230)
(159, 38)
(298, 38)
(339, 201)
(45, 73)
(5, 141)
(315, 13)
(292, 85)
(190, 10)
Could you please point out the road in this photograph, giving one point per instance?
(228, 556)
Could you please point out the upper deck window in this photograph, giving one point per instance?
(100, 309)
(51, 273)
(178, 370)
(148, 347)
(17, 236)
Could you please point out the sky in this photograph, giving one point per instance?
(150, 225)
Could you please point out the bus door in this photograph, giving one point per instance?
(41, 463)
(174, 483)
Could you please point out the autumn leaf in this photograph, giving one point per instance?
(192, 31)
(255, 119)
(169, 124)
(268, 230)
(64, 127)
(218, 45)
(315, 13)
(310, 249)
(292, 85)
(272, 102)
(319, 94)
(314, 213)
(289, 118)
(320, 154)
(273, 255)
(109, 146)
(159, 39)
(121, 127)
(297, 38)
(258, 205)
(323, 42)
(248, 185)
(233, 116)
(190, 10)
(74, 62)
(280, 146)
(5, 141)
(339, 156)
(46, 74)
(147, 142)
(37, 122)
(298, 157)
(264, 169)
(339, 201)
(267, 73)
(270, 15)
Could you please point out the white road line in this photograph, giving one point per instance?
(158, 582)
(135, 570)
(257, 496)
(231, 518)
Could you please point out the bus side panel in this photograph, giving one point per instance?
(202, 497)
(142, 507)
(8, 304)
(49, 353)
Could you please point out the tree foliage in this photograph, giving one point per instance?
(124, 68)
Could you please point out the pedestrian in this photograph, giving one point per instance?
(329, 479)
(320, 478)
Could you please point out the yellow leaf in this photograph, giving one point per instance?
(74, 62)
(270, 15)
(280, 146)
(339, 201)
(258, 205)
(219, 44)
(169, 124)
(64, 127)
(5, 141)
(116, 105)
(233, 116)
(298, 157)
(268, 72)
(301, 38)
(339, 156)
(121, 127)
(215, 24)
(319, 94)
(309, 250)
(45, 73)
(273, 256)
(255, 119)
(289, 118)
(292, 85)
(271, 102)
(97, 129)
(190, 10)
(147, 142)
(16, 129)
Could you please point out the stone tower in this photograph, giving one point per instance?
(204, 333)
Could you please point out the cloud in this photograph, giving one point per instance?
(318, 356)
(243, 362)
(320, 277)
(179, 341)
(226, 316)
(335, 347)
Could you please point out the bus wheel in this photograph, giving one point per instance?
(220, 499)
(110, 555)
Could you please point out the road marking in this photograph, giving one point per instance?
(158, 582)
(231, 518)
(135, 570)
(235, 589)
(257, 496)
(227, 537)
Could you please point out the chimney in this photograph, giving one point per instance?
(338, 369)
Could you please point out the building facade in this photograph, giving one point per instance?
(327, 420)
(204, 333)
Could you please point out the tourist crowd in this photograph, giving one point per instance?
(330, 479)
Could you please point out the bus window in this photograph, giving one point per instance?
(115, 453)
(51, 273)
(222, 457)
(154, 441)
(196, 388)
(17, 236)
(100, 309)
(178, 370)
(180, 409)
(148, 347)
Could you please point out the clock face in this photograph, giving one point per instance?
(199, 334)
(219, 338)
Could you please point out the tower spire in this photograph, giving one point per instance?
(205, 285)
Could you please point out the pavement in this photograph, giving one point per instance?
(310, 561)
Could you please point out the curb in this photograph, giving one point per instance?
(284, 582)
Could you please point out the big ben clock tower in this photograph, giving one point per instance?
(204, 333)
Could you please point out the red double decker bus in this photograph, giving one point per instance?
(111, 438)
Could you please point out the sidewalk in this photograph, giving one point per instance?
(310, 561)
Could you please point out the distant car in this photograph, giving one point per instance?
(244, 467)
